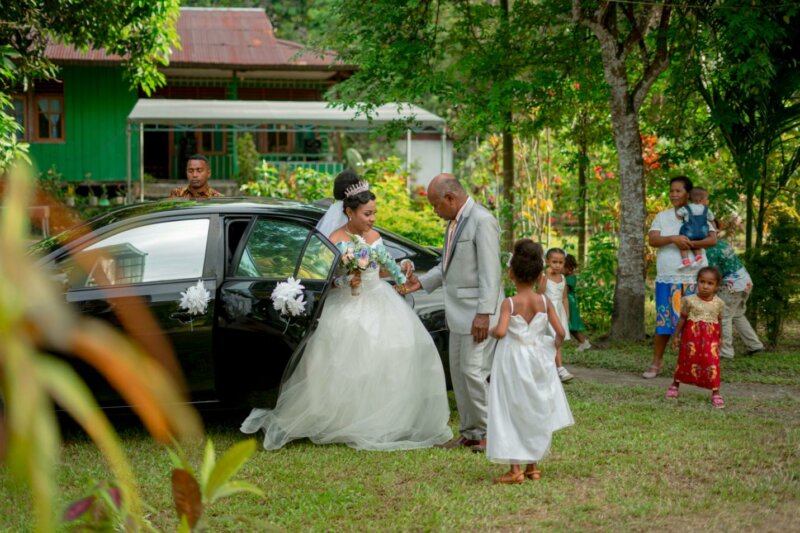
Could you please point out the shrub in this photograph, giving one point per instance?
(776, 276)
(597, 281)
(404, 214)
(247, 157)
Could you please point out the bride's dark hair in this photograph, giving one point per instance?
(358, 199)
(526, 262)
(344, 179)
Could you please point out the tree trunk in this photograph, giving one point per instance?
(627, 321)
(583, 164)
(508, 187)
(748, 225)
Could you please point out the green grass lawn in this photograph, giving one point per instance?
(633, 461)
(779, 366)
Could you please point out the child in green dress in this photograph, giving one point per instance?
(575, 323)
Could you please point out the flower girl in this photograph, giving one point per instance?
(526, 399)
(554, 286)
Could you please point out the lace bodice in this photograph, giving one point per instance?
(698, 310)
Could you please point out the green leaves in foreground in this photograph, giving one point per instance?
(191, 495)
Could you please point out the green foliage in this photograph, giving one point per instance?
(404, 214)
(143, 33)
(302, 184)
(248, 158)
(776, 276)
(194, 491)
(597, 280)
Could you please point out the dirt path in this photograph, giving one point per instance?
(756, 391)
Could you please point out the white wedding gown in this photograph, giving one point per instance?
(526, 399)
(370, 377)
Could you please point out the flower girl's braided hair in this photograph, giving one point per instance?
(526, 261)
(357, 194)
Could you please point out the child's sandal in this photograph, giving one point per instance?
(510, 478)
(717, 401)
(672, 391)
(532, 472)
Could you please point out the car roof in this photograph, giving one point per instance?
(249, 205)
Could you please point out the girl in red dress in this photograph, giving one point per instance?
(698, 333)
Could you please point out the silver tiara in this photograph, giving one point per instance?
(358, 188)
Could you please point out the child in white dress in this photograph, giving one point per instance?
(554, 286)
(526, 399)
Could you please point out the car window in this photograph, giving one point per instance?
(272, 250)
(317, 260)
(397, 251)
(160, 251)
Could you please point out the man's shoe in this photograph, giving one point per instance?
(757, 350)
(480, 447)
(458, 442)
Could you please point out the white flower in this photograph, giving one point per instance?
(195, 299)
(287, 297)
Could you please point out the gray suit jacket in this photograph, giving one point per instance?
(471, 278)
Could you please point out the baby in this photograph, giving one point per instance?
(696, 218)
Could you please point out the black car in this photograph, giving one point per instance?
(239, 249)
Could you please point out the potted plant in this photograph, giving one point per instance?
(92, 197)
(119, 198)
(69, 198)
(104, 197)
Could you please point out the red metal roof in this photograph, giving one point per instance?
(218, 38)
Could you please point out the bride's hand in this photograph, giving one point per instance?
(355, 280)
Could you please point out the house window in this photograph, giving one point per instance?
(49, 118)
(17, 110)
(211, 141)
(275, 142)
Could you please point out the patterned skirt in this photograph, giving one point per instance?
(698, 359)
(668, 304)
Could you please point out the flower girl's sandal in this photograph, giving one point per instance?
(510, 478)
(533, 473)
(717, 401)
(672, 391)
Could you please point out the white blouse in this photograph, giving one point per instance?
(668, 257)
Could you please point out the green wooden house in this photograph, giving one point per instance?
(79, 123)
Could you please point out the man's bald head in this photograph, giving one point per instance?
(446, 195)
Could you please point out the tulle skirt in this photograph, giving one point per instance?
(370, 378)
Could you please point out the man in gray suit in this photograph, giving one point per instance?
(470, 275)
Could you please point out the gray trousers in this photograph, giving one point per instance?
(469, 369)
(734, 318)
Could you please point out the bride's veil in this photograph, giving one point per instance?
(333, 219)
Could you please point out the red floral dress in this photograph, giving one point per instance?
(698, 359)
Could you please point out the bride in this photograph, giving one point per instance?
(371, 376)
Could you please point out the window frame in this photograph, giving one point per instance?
(79, 246)
(201, 148)
(231, 272)
(262, 139)
(35, 112)
(25, 133)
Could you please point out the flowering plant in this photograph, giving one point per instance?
(287, 297)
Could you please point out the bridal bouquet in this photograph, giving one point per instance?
(357, 256)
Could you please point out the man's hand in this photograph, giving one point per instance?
(410, 286)
(480, 327)
(682, 242)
